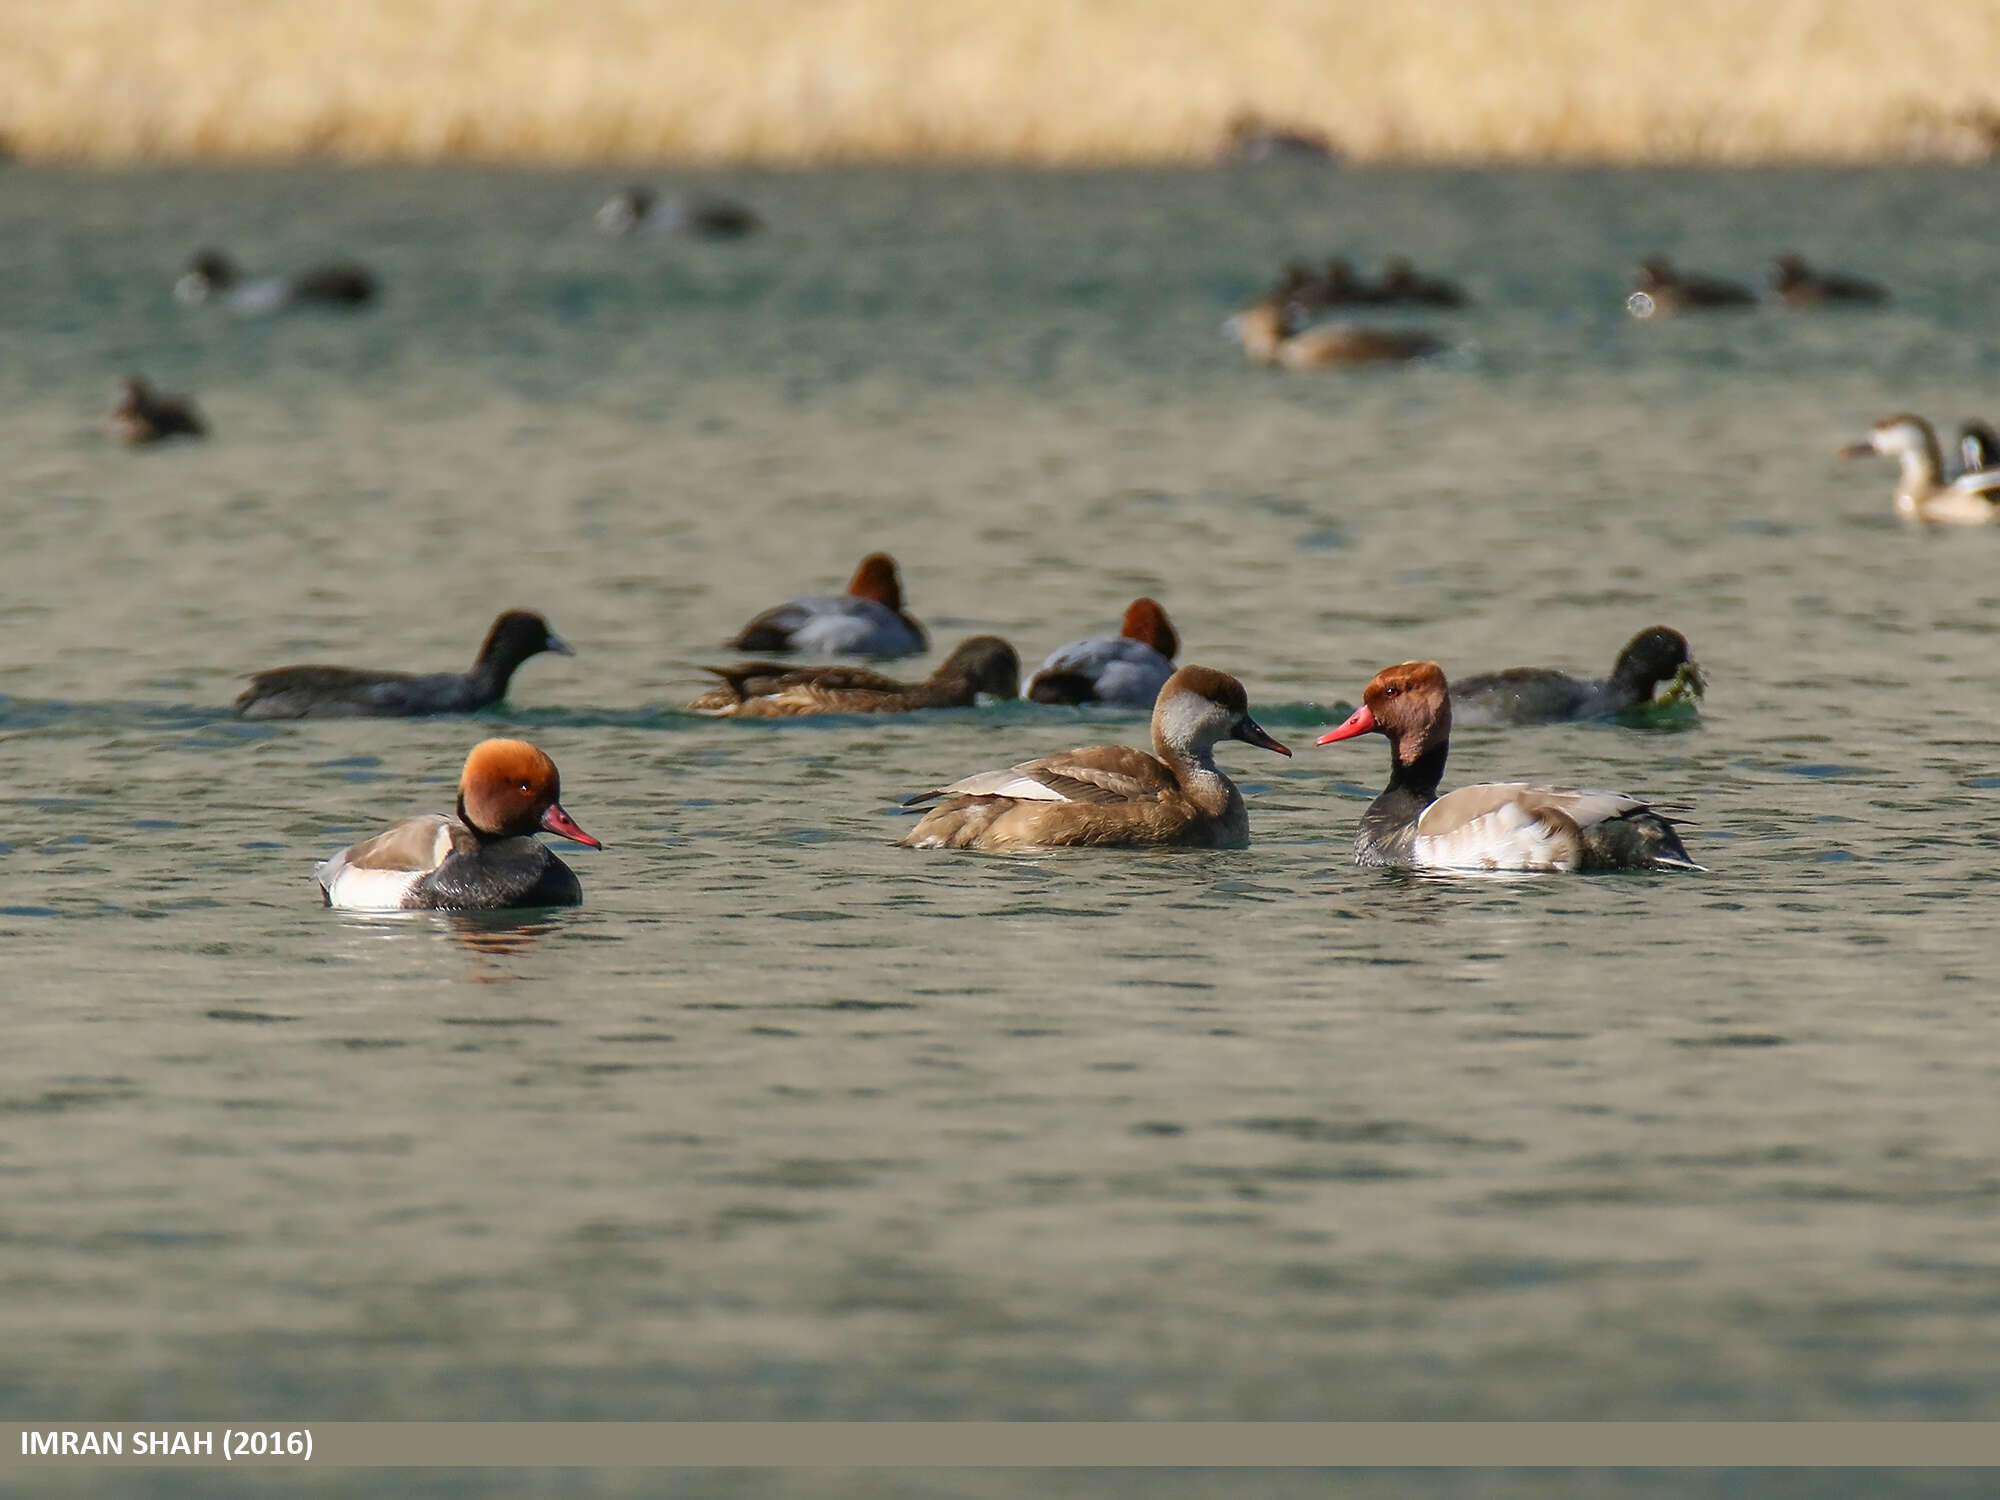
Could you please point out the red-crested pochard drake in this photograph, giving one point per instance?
(1661, 291)
(1112, 795)
(769, 690)
(1797, 284)
(144, 415)
(1265, 329)
(1921, 492)
(349, 692)
(483, 856)
(213, 275)
(1544, 695)
(1127, 669)
(867, 620)
(636, 210)
(1502, 825)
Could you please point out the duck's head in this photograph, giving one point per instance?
(1651, 657)
(1789, 270)
(1146, 621)
(876, 579)
(1901, 435)
(988, 663)
(1199, 707)
(208, 271)
(510, 789)
(517, 635)
(1261, 328)
(1409, 704)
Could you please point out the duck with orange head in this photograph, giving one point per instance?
(481, 856)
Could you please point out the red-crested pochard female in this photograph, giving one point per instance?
(1266, 330)
(770, 690)
(351, 692)
(1921, 492)
(867, 620)
(144, 415)
(1502, 825)
(1544, 695)
(1797, 284)
(1112, 795)
(1661, 291)
(483, 856)
(1127, 669)
(211, 274)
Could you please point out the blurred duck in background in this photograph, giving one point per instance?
(1973, 499)
(984, 664)
(704, 216)
(1268, 330)
(1797, 284)
(1127, 669)
(213, 276)
(867, 620)
(144, 415)
(1659, 291)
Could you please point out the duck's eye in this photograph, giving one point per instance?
(1389, 692)
(526, 788)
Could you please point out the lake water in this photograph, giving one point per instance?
(786, 1122)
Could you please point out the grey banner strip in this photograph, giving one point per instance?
(1004, 1444)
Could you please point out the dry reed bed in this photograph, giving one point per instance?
(1052, 81)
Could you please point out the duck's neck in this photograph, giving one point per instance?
(1200, 778)
(1922, 474)
(1388, 831)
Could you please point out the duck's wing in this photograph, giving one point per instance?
(377, 873)
(1102, 774)
(1518, 825)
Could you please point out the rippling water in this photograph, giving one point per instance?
(787, 1122)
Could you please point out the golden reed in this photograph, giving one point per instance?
(1046, 81)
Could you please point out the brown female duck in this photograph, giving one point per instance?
(1112, 794)
(771, 690)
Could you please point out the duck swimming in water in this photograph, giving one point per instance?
(314, 692)
(1544, 695)
(1661, 291)
(637, 210)
(1127, 669)
(483, 856)
(1266, 330)
(213, 275)
(770, 690)
(144, 415)
(1797, 284)
(1502, 825)
(1112, 795)
(1921, 492)
(867, 620)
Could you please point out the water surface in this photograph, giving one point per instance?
(788, 1122)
